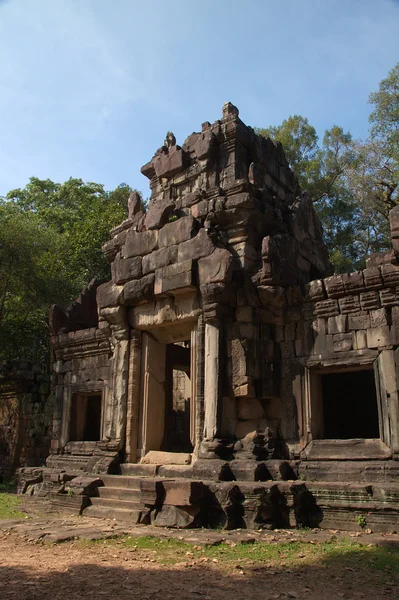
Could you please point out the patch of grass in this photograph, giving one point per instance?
(9, 504)
(342, 554)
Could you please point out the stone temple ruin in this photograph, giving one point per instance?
(223, 377)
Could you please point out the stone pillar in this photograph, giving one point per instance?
(133, 396)
(115, 401)
(212, 381)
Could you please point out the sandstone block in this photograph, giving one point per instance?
(359, 321)
(323, 344)
(342, 342)
(338, 324)
(272, 295)
(200, 209)
(139, 289)
(138, 244)
(245, 428)
(369, 300)
(158, 214)
(109, 294)
(388, 297)
(159, 259)
(326, 308)
(124, 269)
(172, 516)
(353, 282)
(379, 317)
(169, 163)
(177, 277)
(360, 339)
(334, 286)
(176, 232)
(216, 268)
(349, 304)
(315, 290)
(250, 409)
(198, 247)
(377, 337)
(390, 274)
(372, 278)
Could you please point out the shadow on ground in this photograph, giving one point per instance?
(68, 571)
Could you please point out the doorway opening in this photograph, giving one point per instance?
(177, 398)
(349, 405)
(85, 424)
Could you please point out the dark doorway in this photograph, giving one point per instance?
(350, 405)
(177, 398)
(85, 418)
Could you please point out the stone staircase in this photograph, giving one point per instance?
(174, 496)
(120, 496)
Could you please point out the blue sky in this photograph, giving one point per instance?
(88, 88)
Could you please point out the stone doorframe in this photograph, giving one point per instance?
(146, 392)
(383, 364)
(67, 392)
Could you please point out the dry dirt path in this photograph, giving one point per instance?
(42, 570)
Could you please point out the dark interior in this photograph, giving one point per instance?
(350, 405)
(177, 413)
(85, 418)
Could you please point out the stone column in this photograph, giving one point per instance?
(133, 396)
(115, 403)
(212, 381)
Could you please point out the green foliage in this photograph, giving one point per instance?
(9, 506)
(50, 247)
(361, 521)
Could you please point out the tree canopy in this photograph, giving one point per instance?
(50, 247)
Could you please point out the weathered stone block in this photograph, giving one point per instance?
(390, 274)
(272, 295)
(323, 344)
(349, 304)
(360, 339)
(334, 286)
(177, 277)
(338, 324)
(369, 300)
(315, 290)
(109, 294)
(216, 268)
(359, 321)
(245, 428)
(124, 269)
(326, 308)
(158, 214)
(176, 232)
(379, 317)
(377, 337)
(199, 246)
(372, 278)
(138, 244)
(139, 289)
(168, 164)
(159, 259)
(343, 342)
(250, 408)
(353, 282)
(200, 209)
(388, 297)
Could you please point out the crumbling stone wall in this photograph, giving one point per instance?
(26, 411)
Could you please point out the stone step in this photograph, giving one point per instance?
(139, 470)
(122, 493)
(116, 503)
(121, 515)
(121, 481)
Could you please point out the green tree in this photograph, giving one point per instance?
(50, 247)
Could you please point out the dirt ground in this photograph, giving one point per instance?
(32, 570)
